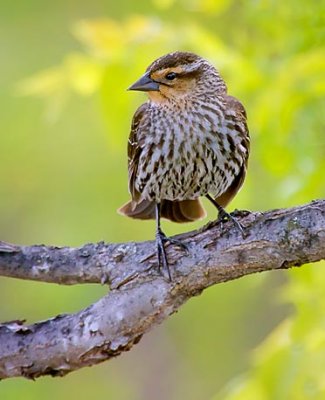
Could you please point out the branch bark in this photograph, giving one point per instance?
(139, 297)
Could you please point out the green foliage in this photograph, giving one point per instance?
(290, 363)
(64, 176)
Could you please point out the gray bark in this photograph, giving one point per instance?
(139, 297)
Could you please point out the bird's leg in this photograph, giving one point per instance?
(223, 215)
(161, 239)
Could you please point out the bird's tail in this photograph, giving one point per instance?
(176, 211)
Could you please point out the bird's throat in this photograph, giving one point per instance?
(157, 97)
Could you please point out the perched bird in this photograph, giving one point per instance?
(190, 139)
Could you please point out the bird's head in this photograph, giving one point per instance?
(179, 75)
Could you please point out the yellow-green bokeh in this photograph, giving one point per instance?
(65, 116)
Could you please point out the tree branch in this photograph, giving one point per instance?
(140, 298)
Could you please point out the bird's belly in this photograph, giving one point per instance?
(186, 175)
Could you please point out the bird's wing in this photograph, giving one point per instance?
(241, 124)
(135, 144)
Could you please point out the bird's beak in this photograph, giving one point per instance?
(145, 84)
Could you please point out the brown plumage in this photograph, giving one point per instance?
(189, 140)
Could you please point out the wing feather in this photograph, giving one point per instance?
(241, 119)
(135, 145)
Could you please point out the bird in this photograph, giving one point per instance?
(189, 140)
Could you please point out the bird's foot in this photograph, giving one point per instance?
(161, 239)
(223, 216)
(178, 243)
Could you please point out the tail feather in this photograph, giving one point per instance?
(143, 210)
(176, 211)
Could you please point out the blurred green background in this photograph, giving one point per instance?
(65, 117)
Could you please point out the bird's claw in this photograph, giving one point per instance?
(178, 243)
(161, 252)
(223, 216)
(161, 239)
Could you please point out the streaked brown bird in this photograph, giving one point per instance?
(190, 139)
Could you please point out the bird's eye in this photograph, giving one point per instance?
(171, 76)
